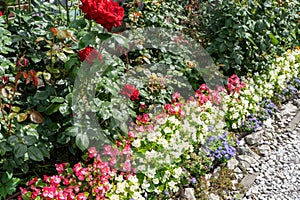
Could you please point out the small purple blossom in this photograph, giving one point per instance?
(193, 180)
(167, 192)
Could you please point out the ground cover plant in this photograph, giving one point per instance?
(161, 151)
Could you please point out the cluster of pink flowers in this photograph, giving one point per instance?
(205, 94)
(79, 182)
(143, 119)
(175, 107)
(234, 84)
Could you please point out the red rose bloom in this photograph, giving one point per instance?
(130, 91)
(105, 12)
(89, 54)
(0, 13)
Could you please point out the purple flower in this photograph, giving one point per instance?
(167, 192)
(193, 180)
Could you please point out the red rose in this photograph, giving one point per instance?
(0, 13)
(89, 54)
(130, 91)
(105, 12)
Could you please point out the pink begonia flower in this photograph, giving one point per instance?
(143, 118)
(81, 196)
(60, 167)
(32, 181)
(127, 166)
(175, 97)
(131, 134)
(107, 150)
(203, 87)
(77, 167)
(49, 192)
(62, 195)
(127, 149)
(141, 129)
(92, 152)
(66, 181)
(55, 180)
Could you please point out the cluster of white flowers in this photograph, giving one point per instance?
(125, 188)
(261, 85)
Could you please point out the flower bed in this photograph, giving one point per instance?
(191, 123)
(57, 76)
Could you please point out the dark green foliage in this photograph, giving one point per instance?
(244, 36)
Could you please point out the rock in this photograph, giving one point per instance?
(252, 154)
(264, 150)
(246, 158)
(213, 197)
(253, 138)
(189, 193)
(232, 163)
(248, 180)
(244, 165)
(288, 109)
(216, 172)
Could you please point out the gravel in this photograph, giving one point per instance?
(279, 163)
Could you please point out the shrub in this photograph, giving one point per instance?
(245, 36)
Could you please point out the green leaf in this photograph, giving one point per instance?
(15, 109)
(12, 139)
(62, 138)
(21, 117)
(273, 39)
(41, 95)
(70, 63)
(82, 141)
(62, 57)
(104, 36)
(35, 154)
(5, 147)
(44, 151)
(30, 140)
(80, 23)
(58, 100)
(20, 150)
(53, 108)
(121, 40)
(64, 109)
(87, 40)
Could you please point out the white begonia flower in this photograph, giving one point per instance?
(119, 178)
(172, 184)
(136, 143)
(167, 130)
(151, 173)
(121, 187)
(145, 185)
(235, 115)
(163, 142)
(256, 98)
(174, 120)
(115, 197)
(234, 126)
(134, 187)
(155, 181)
(137, 196)
(133, 179)
(177, 172)
(152, 137)
(157, 191)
